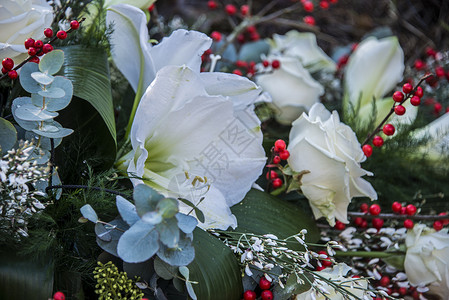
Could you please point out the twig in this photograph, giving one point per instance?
(396, 216)
(74, 186)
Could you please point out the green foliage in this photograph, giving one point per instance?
(113, 285)
(8, 135)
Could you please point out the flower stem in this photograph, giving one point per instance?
(368, 254)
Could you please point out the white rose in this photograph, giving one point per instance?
(303, 46)
(19, 20)
(329, 149)
(427, 256)
(337, 275)
(292, 89)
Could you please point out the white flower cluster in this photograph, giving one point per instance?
(18, 202)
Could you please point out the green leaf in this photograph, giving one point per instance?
(111, 246)
(127, 210)
(167, 207)
(58, 103)
(168, 232)
(17, 103)
(53, 130)
(52, 92)
(291, 287)
(152, 217)
(89, 213)
(181, 255)
(215, 268)
(138, 243)
(199, 214)
(185, 272)
(146, 199)
(42, 78)
(88, 70)
(8, 135)
(28, 83)
(261, 213)
(24, 277)
(186, 223)
(163, 269)
(52, 62)
(31, 112)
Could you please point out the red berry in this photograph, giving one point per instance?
(230, 9)
(48, 32)
(308, 6)
(61, 34)
(419, 92)
(419, 64)
(212, 4)
(309, 20)
(47, 48)
(59, 296)
(439, 71)
(364, 207)
(398, 96)
(8, 63)
(410, 209)
(437, 107)
(264, 283)
(429, 101)
(276, 160)
(237, 72)
(279, 145)
(437, 225)
(444, 221)
(275, 64)
(75, 24)
(374, 209)
(32, 51)
(12, 74)
(378, 223)
(241, 64)
(415, 101)
(277, 183)
(241, 38)
(367, 150)
(324, 4)
(271, 175)
(35, 59)
(358, 221)
(267, 295)
(38, 44)
(396, 207)
(378, 141)
(388, 129)
(254, 36)
(408, 224)
(284, 155)
(384, 281)
(265, 63)
(251, 29)
(216, 36)
(151, 8)
(244, 10)
(364, 224)
(249, 295)
(326, 262)
(318, 268)
(4, 71)
(399, 110)
(339, 225)
(29, 43)
(430, 52)
(407, 88)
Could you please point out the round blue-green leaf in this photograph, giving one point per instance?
(186, 223)
(18, 102)
(8, 135)
(111, 246)
(152, 217)
(52, 92)
(167, 207)
(52, 62)
(31, 112)
(89, 213)
(253, 50)
(28, 83)
(58, 103)
(53, 130)
(169, 232)
(181, 255)
(145, 198)
(42, 78)
(127, 210)
(138, 243)
(45, 143)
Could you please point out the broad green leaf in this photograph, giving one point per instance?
(42, 78)
(181, 255)
(88, 70)
(138, 243)
(24, 277)
(215, 268)
(28, 83)
(52, 62)
(31, 112)
(186, 223)
(261, 213)
(89, 213)
(8, 135)
(127, 210)
(163, 269)
(168, 232)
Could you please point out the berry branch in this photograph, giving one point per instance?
(396, 216)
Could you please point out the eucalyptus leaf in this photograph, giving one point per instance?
(181, 255)
(152, 217)
(138, 243)
(45, 143)
(186, 223)
(17, 103)
(145, 198)
(31, 112)
(111, 246)
(169, 232)
(88, 69)
(53, 130)
(252, 51)
(52, 62)
(58, 103)
(127, 210)
(215, 268)
(89, 213)
(167, 207)
(102, 233)
(52, 92)
(8, 135)
(28, 83)
(164, 270)
(185, 272)
(42, 78)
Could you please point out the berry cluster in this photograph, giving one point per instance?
(280, 153)
(309, 7)
(399, 98)
(265, 294)
(35, 49)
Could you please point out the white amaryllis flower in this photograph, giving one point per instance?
(355, 286)
(329, 149)
(302, 45)
(427, 256)
(203, 126)
(373, 70)
(19, 20)
(291, 87)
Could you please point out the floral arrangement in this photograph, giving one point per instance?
(227, 151)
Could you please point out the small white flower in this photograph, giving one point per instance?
(248, 271)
